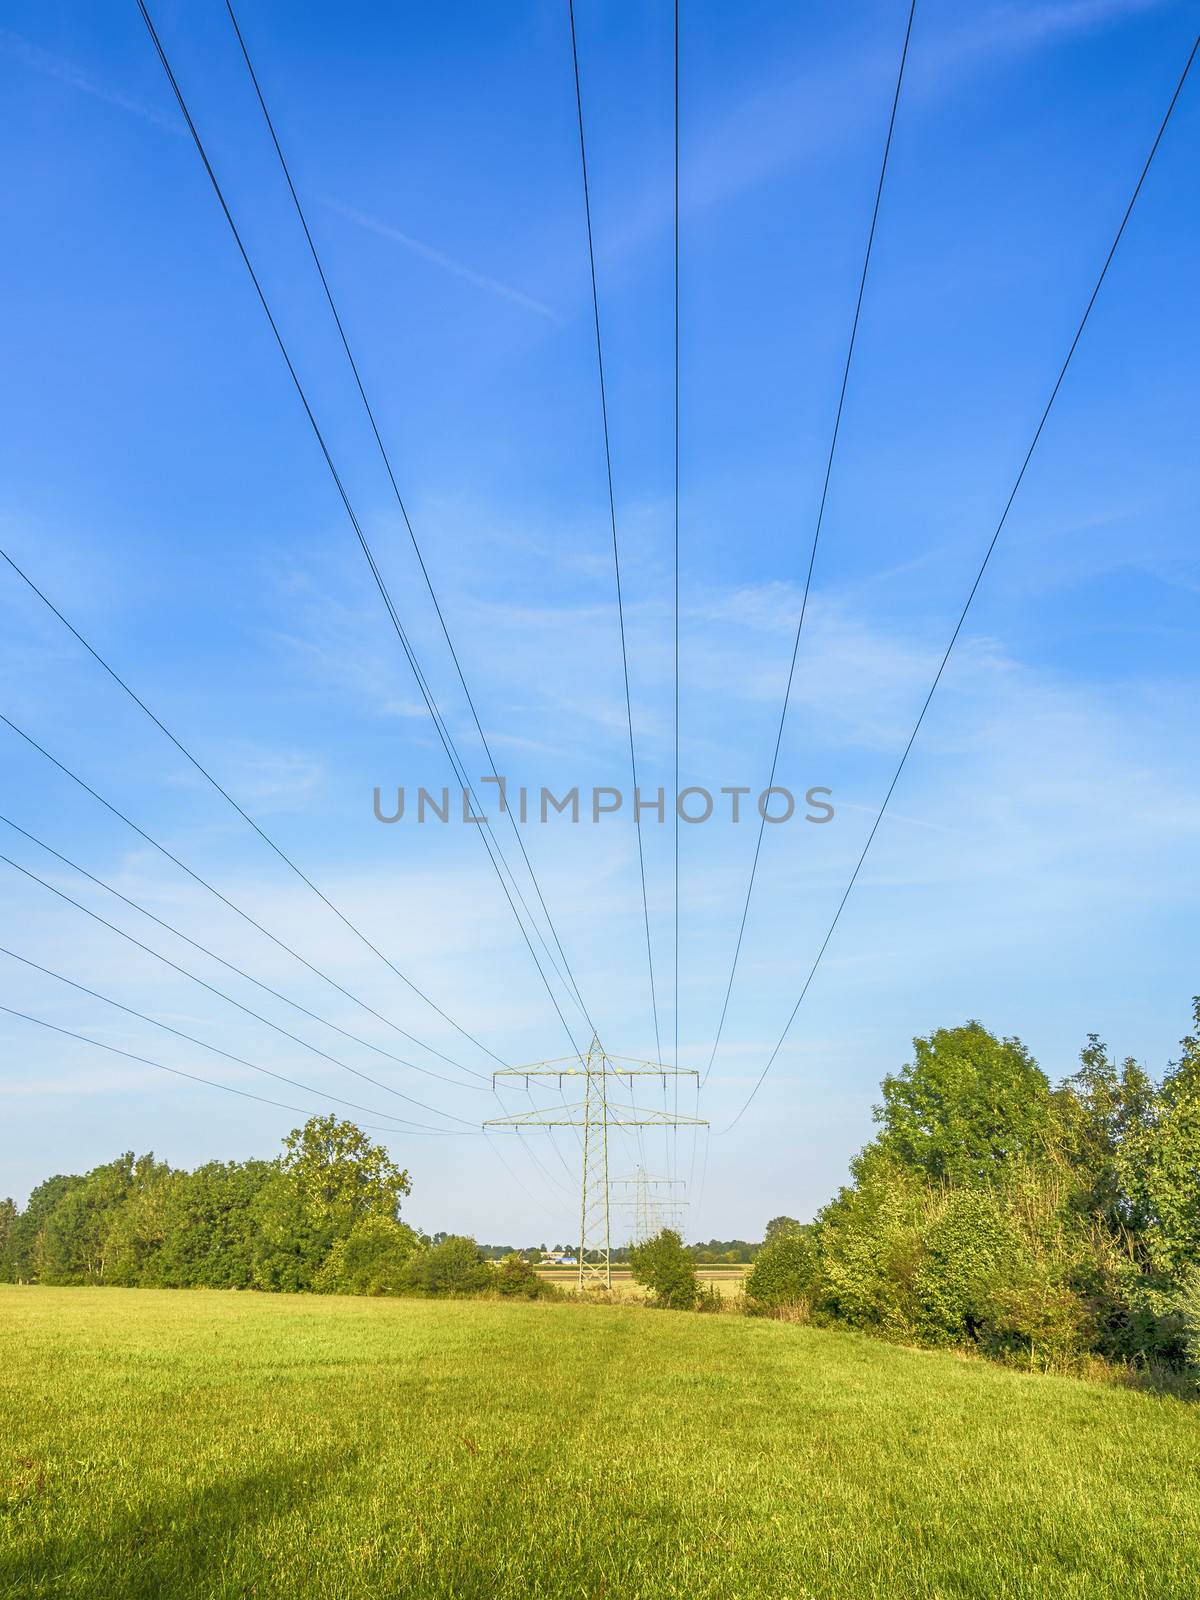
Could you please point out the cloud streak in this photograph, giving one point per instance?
(481, 280)
(54, 67)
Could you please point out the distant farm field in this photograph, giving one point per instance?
(175, 1444)
(729, 1282)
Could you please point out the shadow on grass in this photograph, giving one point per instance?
(1180, 1383)
(178, 1545)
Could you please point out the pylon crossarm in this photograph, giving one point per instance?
(647, 1117)
(651, 1066)
(642, 1119)
(549, 1070)
(558, 1117)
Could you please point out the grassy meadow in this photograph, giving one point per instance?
(180, 1443)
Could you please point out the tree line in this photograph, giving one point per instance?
(323, 1217)
(1038, 1223)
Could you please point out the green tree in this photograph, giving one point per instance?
(290, 1241)
(8, 1229)
(968, 1245)
(373, 1258)
(1098, 1110)
(1160, 1163)
(339, 1175)
(1188, 1311)
(139, 1226)
(967, 1104)
(23, 1242)
(73, 1244)
(778, 1225)
(214, 1227)
(665, 1267)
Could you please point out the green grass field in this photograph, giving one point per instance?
(175, 1444)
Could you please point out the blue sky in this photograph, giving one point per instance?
(1038, 869)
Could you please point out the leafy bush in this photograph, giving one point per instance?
(665, 1267)
(967, 1247)
(515, 1279)
(454, 1267)
(871, 1248)
(1188, 1310)
(1038, 1320)
(373, 1258)
(786, 1270)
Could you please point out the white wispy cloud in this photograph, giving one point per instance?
(74, 77)
(459, 269)
(1022, 27)
(794, 115)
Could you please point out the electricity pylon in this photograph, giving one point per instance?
(595, 1114)
(651, 1214)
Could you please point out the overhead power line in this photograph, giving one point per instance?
(485, 833)
(240, 1061)
(245, 816)
(612, 515)
(983, 566)
(230, 966)
(812, 555)
(675, 809)
(511, 1170)
(595, 1115)
(226, 901)
(570, 976)
(178, 1072)
(221, 995)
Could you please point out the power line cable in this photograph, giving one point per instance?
(675, 819)
(978, 580)
(812, 557)
(504, 1162)
(295, 1083)
(229, 965)
(612, 513)
(178, 1072)
(221, 995)
(487, 837)
(443, 731)
(225, 795)
(570, 976)
(226, 901)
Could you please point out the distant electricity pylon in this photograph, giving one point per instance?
(652, 1210)
(595, 1114)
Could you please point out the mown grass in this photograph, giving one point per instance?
(178, 1443)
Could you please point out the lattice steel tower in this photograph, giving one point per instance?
(652, 1210)
(595, 1114)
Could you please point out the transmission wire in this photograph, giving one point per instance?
(612, 512)
(229, 965)
(833, 443)
(442, 730)
(225, 795)
(178, 1072)
(221, 995)
(294, 1083)
(224, 899)
(570, 979)
(975, 586)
